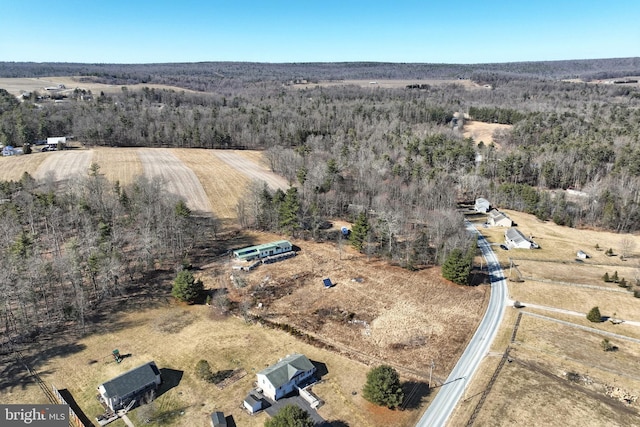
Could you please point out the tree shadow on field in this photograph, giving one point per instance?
(321, 369)
(414, 394)
(170, 378)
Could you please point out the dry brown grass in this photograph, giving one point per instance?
(392, 314)
(533, 386)
(16, 86)
(481, 131)
(118, 164)
(13, 167)
(398, 307)
(222, 184)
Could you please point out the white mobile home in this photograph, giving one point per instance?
(263, 251)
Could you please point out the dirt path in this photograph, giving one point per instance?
(160, 163)
(251, 169)
(61, 165)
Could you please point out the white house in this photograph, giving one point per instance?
(482, 205)
(515, 239)
(284, 377)
(499, 219)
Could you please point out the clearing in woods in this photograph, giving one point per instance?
(481, 131)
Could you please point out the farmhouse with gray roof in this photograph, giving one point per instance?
(285, 376)
(132, 385)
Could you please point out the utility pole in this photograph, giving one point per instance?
(431, 372)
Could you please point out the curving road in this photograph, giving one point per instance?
(452, 390)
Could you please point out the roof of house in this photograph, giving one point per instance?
(287, 368)
(515, 236)
(496, 215)
(482, 201)
(132, 380)
(252, 400)
(264, 246)
(218, 419)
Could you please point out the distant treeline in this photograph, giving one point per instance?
(217, 76)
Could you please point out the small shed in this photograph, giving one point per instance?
(482, 205)
(582, 255)
(218, 419)
(252, 403)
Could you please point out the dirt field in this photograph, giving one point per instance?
(559, 374)
(62, 165)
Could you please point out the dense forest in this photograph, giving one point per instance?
(394, 160)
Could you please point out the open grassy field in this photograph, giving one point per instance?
(481, 131)
(558, 373)
(17, 86)
(211, 181)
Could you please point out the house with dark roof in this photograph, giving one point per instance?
(286, 376)
(218, 419)
(135, 384)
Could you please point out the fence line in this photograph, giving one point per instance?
(74, 421)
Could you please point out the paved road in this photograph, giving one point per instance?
(452, 390)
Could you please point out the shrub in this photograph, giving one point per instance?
(606, 277)
(290, 416)
(203, 371)
(594, 315)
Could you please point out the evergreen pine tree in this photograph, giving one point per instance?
(359, 231)
(457, 267)
(594, 315)
(383, 387)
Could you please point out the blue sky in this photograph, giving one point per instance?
(458, 31)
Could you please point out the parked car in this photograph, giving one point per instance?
(504, 247)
